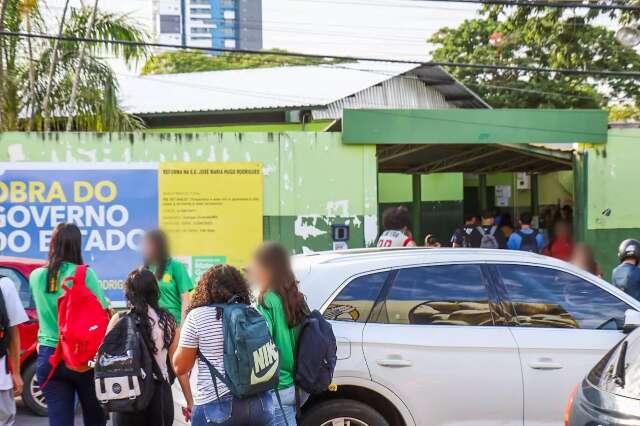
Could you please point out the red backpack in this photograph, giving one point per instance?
(82, 324)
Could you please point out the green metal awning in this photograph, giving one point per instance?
(473, 126)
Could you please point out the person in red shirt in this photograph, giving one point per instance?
(561, 243)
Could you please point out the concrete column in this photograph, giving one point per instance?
(535, 197)
(482, 192)
(416, 186)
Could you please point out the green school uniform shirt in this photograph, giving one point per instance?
(47, 303)
(284, 337)
(173, 284)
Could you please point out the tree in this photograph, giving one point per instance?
(50, 75)
(171, 62)
(539, 37)
(624, 113)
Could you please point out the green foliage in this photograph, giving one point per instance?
(97, 106)
(624, 113)
(538, 37)
(172, 62)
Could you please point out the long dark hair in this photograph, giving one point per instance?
(158, 241)
(65, 246)
(142, 292)
(218, 285)
(276, 260)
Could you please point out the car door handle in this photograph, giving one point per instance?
(545, 364)
(394, 362)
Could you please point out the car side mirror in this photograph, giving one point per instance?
(631, 320)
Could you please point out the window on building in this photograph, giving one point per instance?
(545, 297)
(438, 295)
(201, 2)
(356, 299)
(200, 11)
(201, 30)
(169, 24)
(230, 43)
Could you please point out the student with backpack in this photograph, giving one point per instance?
(11, 315)
(137, 351)
(69, 301)
(462, 236)
(304, 339)
(526, 238)
(488, 235)
(173, 279)
(284, 307)
(237, 359)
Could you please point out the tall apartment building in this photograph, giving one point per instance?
(230, 24)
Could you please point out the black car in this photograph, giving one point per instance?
(610, 394)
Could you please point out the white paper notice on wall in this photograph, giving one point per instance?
(503, 193)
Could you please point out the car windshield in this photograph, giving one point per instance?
(622, 358)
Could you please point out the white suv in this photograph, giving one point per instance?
(460, 337)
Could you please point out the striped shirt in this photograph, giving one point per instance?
(204, 331)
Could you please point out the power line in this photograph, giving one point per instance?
(587, 72)
(568, 4)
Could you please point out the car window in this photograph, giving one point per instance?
(545, 297)
(438, 295)
(22, 285)
(356, 299)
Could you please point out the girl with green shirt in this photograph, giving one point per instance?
(65, 254)
(284, 307)
(173, 279)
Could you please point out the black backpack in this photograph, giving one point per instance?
(125, 370)
(529, 242)
(315, 355)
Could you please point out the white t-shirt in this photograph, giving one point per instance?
(392, 238)
(202, 330)
(16, 315)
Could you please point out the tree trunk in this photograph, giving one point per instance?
(32, 78)
(46, 113)
(3, 10)
(76, 80)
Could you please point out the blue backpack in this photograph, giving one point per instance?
(251, 358)
(315, 355)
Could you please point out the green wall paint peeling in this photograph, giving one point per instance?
(307, 175)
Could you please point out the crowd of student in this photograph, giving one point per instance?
(179, 330)
(496, 231)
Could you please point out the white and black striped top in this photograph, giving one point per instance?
(202, 330)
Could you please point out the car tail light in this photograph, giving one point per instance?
(567, 410)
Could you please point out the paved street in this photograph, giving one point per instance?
(26, 418)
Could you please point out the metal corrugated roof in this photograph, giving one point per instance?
(312, 86)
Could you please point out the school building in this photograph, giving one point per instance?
(439, 162)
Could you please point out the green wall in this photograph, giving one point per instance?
(442, 195)
(612, 195)
(311, 180)
(552, 187)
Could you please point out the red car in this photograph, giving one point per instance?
(18, 271)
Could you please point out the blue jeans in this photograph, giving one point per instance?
(61, 391)
(230, 411)
(288, 411)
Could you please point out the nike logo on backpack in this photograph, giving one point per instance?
(266, 355)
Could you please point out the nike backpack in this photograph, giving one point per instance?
(488, 240)
(251, 358)
(82, 324)
(316, 357)
(125, 370)
(529, 242)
